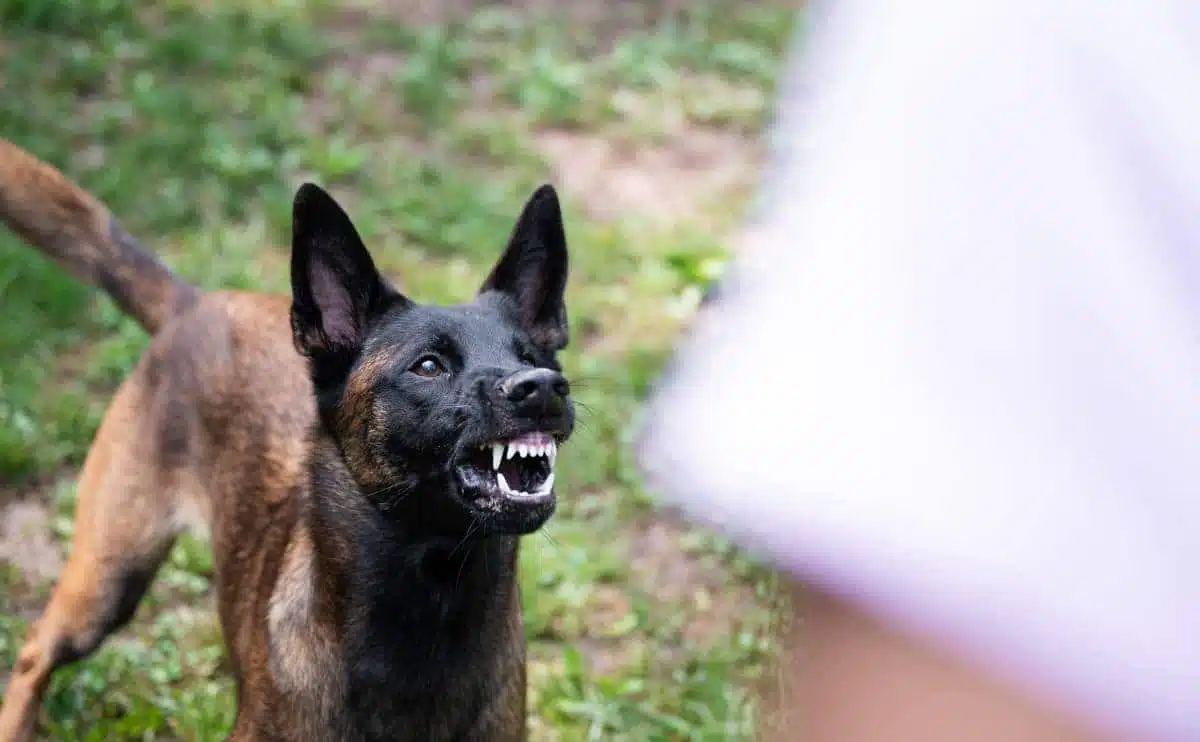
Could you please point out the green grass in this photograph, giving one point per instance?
(196, 121)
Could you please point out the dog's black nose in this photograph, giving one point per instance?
(534, 390)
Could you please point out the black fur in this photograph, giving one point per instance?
(426, 569)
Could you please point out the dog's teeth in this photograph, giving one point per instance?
(552, 453)
(497, 454)
(547, 485)
(512, 450)
(523, 450)
(506, 489)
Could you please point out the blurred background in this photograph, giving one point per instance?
(431, 122)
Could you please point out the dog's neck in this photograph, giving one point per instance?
(416, 615)
(401, 567)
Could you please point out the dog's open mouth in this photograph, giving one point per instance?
(517, 468)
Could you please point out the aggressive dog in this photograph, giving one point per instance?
(365, 466)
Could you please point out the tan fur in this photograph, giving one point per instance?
(301, 646)
(214, 419)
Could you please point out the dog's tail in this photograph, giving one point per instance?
(62, 220)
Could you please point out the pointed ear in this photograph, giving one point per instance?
(533, 270)
(336, 289)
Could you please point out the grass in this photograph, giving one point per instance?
(196, 121)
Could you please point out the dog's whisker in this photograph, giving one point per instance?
(462, 565)
(386, 489)
(583, 424)
(598, 382)
(470, 531)
(582, 407)
(395, 502)
(467, 556)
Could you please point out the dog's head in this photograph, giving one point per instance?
(452, 413)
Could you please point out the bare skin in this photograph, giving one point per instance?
(847, 677)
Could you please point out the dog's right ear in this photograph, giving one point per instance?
(336, 289)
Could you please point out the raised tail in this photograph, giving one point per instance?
(67, 223)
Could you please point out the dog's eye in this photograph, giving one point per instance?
(428, 366)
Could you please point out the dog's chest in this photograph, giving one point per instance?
(444, 689)
(459, 714)
(407, 658)
(453, 698)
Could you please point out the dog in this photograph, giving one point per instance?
(365, 465)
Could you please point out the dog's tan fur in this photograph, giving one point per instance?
(214, 420)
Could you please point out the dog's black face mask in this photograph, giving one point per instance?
(451, 413)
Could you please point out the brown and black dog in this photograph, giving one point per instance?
(365, 466)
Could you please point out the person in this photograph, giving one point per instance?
(951, 381)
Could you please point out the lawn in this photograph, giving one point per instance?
(431, 122)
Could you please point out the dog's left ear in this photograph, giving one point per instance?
(336, 289)
(533, 270)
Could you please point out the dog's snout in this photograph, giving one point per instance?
(534, 388)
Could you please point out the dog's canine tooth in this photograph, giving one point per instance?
(512, 450)
(552, 453)
(497, 454)
(547, 485)
(500, 480)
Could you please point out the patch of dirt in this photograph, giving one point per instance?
(26, 540)
(607, 606)
(681, 180)
(666, 570)
(695, 170)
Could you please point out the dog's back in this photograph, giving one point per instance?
(220, 387)
(218, 407)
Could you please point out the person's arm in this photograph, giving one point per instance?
(848, 677)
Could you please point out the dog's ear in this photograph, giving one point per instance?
(336, 289)
(533, 270)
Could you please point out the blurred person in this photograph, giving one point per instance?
(951, 382)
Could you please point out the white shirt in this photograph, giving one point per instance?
(955, 376)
